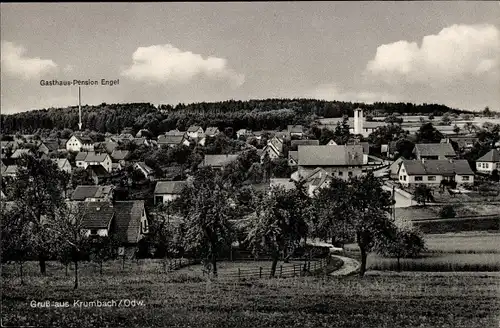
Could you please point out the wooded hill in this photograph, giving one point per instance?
(252, 114)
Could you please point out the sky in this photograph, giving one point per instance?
(164, 53)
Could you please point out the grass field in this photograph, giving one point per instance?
(415, 300)
(446, 253)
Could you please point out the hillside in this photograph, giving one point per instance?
(251, 114)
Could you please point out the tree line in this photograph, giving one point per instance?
(252, 114)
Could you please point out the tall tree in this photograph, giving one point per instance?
(39, 189)
(369, 219)
(428, 134)
(205, 209)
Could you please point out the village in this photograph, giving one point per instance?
(122, 189)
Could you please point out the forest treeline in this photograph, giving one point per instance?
(256, 115)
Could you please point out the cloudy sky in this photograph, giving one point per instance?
(434, 52)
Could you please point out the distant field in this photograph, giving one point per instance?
(395, 300)
(475, 243)
(427, 212)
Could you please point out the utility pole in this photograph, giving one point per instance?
(393, 202)
(79, 108)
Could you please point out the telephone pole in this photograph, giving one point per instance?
(79, 108)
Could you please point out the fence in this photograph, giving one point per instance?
(287, 271)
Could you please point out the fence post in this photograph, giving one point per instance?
(260, 272)
(239, 274)
(281, 270)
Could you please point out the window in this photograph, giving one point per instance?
(340, 173)
(404, 177)
(349, 173)
(418, 178)
(159, 199)
(465, 178)
(93, 231)
(431, 178)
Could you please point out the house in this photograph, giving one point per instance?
(97, 173)
(295, 130)
(193, 131)
(63, 164)
(463, 142)
(102, 159)
(243, 133)
(145, 170)
(218, 161)
(142, 141)
(109, 146)
(315, 180)
(169, 140)
(126, 221)
(143, 133)
(166, 191)
(295, 143)
(18, 153)
(62, 144)
(89, 193)
(331, 143)
(366, 148)
(293, 158)
(10, 171)
(78, 143)
(212, 131)
(274, 148)
(283, 135)
(7, 145)
(394, 168)
(80, 159)
(439, 151)
(48, 146)
(431, 172)
(120, 156)
(285, 183)
(489, 162)
(123, 137)
(343, 161)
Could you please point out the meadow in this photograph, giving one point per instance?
(165, 300)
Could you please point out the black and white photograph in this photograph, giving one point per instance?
(250, 164)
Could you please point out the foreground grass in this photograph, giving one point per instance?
(414, 300)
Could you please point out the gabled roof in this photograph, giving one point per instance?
(6, 144)
(81, 156)
(169, 187)
(194, 128)
(88, 191)
(83, 140)
(96, 157)
(60, 162)
(19, 152)
(437, 167)
(119, 155)
(435, 149)
(96, 215)
(52, 145)
(330, 155)
(491, 156)
(296, 143)
(10, 170)
(295, 128)
(128, 220)
(219, 160)
(145, 167)
(175, 132)
(139, 141)
(171, 139)
(211, 130)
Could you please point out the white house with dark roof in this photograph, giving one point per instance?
(295, 130)
(63, 164)
(166, 191)
(489, 162)
(120, 156)
(194, 131)
(147, 171)
(172, 140)
(48, 145)
(79, 143)
(102, 159)
(438, 151)
(341, 161)
(432, 172)
(274, 148)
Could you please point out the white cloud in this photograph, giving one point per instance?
(14, 63)
(457, 52)
(334, 92)
(166, 64)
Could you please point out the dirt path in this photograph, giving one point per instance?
(350, 266)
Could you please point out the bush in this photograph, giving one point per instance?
(447, 212)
